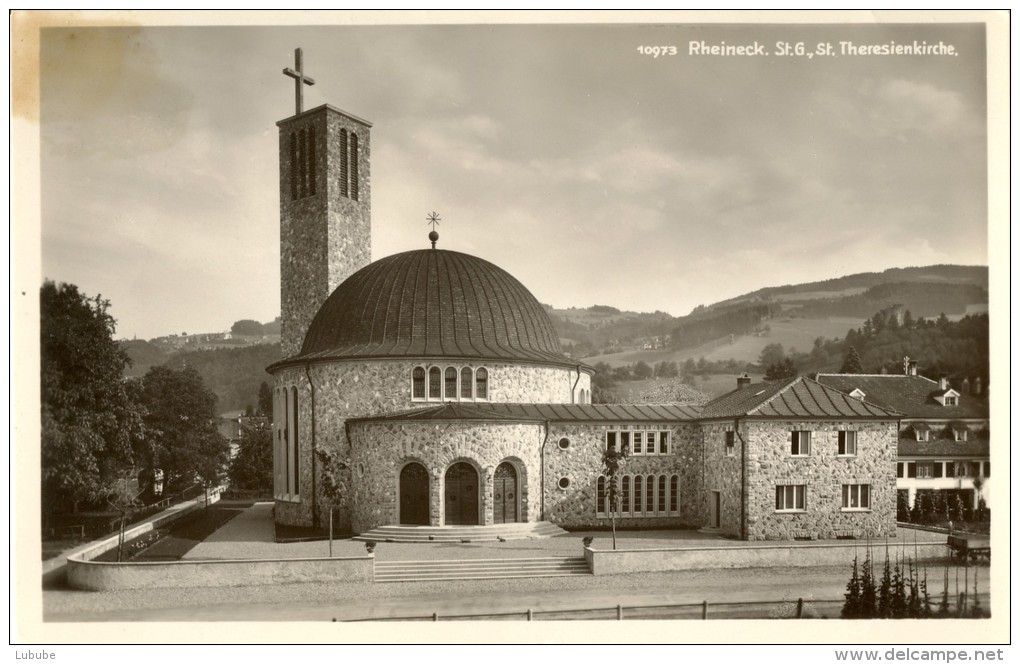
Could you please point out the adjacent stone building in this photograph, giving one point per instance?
(433, 384)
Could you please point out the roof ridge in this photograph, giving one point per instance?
(828, 389)
(793, 381)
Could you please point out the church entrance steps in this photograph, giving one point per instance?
(465, 534)
(460, 570)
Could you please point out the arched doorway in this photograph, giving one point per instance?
(414, 495)
(461, 495)
(505, 494)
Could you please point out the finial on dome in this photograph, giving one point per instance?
(433, 218)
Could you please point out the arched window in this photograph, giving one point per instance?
(662, 494)
(625, 495)
(293, 166)
(295, 449)
(450, 388)
(639, 494)
(435, 383)
(303, 163)
(311, 160)
(284, 440)
(418, 383)
(466, 383)
(344, 187)
(600, 495)
(354, 166)
(650, 495)
(481, 384)
(674, 494)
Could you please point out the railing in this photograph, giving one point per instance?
(777, 609)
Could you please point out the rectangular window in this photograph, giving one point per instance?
(960, 469)
(988, 468)
(950, 469)
(650, 495)
(936, 469)
(857, 496)
(625, 440)
(951, 401)
(731, 441)
(911, 469)
(924, 471)
(975, 468)
(662, 494)
(922, 436)
(791, 498)
(639, 441)
(674, 494)
(847, 444)
(800, 443)
(610, 440)
(625, 495)
(663, 442)
(959, 435)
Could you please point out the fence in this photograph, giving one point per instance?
(799, 608)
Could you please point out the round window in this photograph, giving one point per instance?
(564, 443)
(564, 482)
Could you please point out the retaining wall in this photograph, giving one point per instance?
(624, 561)
(89, 575)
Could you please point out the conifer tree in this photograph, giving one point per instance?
(867, 587)
(852, 363)
(885, 590)
(944, 603)
(852, 605)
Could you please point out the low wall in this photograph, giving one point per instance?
(90, 575)
(623, 561)
(55, 569)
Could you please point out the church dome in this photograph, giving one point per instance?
(432, 303)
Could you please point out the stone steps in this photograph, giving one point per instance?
(463, 534)
(454, 570)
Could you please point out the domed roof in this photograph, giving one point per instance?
(432, 303)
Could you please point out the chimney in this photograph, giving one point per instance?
(912, 368)
(977, 386)
(943, 383)
(743, 380)
(965, 386)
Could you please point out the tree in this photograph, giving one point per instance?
(852, 602)
(642, 371)
(89, 422)
(181, 433)
(252, 468)
(247, 327)
(265, 407)
(613, 460)
(333, 488)
(771, 355)
(852, 363)
(781, 370)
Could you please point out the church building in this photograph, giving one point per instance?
(437, 381)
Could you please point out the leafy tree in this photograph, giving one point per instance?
(252, 468)
(333, 487)
(781, 370)
(666, 369)
(247, 327)
(852, 363)
(265, 407)
(771, 355)
(182, 438)
(89, 422)
(642, 371)
(613, 460)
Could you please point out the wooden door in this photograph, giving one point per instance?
(414, 495)
(504, 494)
(461, 495)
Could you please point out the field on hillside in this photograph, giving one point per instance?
(797, 333)
(713, 385)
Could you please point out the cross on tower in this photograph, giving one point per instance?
(299, 79)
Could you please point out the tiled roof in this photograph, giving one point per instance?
(910, 395)
(795, 397)
(529, 412)
(432, 303)
(944, 447)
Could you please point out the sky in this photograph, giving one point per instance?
(592, 172)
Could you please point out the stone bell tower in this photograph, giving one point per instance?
(325, 207)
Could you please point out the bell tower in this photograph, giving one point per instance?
(325, 207)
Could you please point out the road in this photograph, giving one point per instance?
(369, 601)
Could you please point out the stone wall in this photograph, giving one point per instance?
(824, 473)
(581, 464)
(352, 389)
(722, 474)
(380, 450)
